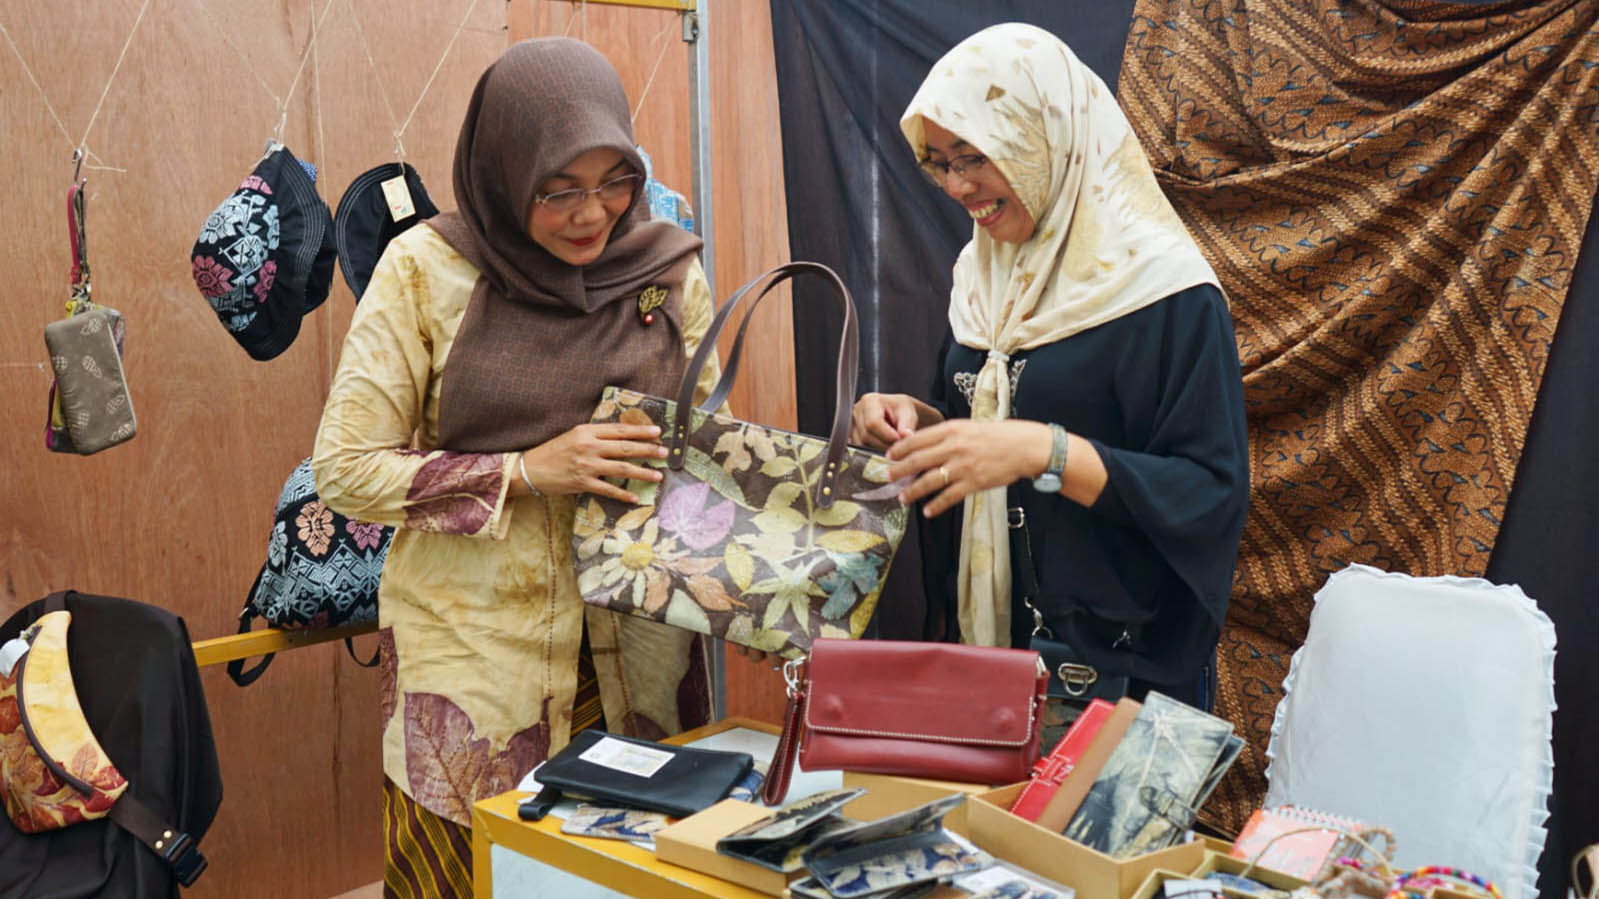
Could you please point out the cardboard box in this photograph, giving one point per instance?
(1151, 887)
(1222, 861)
(889, 794)
(691, 843)
(1093, 874)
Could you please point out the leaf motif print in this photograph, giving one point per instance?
(780, 467)
(849, 541)
(454, 493)
(683, 513)
(711, 594)
(701, 467)
(389, 677)
(838, 514)
(635, 416)
(656, 585)
(738, 458)
(448, 766)
(635, 518)
(783, 495)
(10, 716)
(685, 613)
(780, 521)
(740, 565)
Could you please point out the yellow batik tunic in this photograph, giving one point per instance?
(482, 619)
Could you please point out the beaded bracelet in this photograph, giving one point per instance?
(1399, 891)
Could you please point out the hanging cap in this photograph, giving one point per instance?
(264, 257)
(365, 223)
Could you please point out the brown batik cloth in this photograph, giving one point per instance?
(1393, 193)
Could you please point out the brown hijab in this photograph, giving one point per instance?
(541, 339)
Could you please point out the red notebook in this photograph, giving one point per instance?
(1302, 854)
(1053, 768)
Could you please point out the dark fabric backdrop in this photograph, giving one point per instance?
(847, 68)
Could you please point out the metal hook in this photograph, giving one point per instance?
(77, 165)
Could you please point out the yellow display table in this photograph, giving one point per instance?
(616, 864)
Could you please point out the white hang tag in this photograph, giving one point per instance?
(398, 196)
(642, 761)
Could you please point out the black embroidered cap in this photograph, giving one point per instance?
(265, 256)
(364, 223)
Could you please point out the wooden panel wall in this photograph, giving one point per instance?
(750, 216)
(178, 517)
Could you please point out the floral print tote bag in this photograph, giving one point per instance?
(761, 537)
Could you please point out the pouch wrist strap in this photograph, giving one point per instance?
(778, 774)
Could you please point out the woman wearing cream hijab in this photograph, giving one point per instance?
(1090, 382)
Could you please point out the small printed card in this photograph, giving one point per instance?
(629, 758)
(398, 196)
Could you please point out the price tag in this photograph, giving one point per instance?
(398, 196)
(626, 757)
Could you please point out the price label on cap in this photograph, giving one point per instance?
(398, 196)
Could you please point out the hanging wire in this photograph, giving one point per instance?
(394, 121)
(442, 57)
(283, 107)
(660, 39)
(80, 150)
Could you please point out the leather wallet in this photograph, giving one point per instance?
(900, 850)
(779, 840)
(617, 770)
(939, 710)
(1051, 770)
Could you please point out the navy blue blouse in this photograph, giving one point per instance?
(1159, 394)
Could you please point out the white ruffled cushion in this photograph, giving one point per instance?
(1424, 705)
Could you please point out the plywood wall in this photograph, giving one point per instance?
(179, 516)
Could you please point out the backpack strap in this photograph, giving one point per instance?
(236, 667)
(173, 846)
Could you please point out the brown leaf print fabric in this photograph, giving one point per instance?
(447, 494)
(1393, 193)
(449, 766)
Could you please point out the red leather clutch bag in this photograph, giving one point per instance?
(937, 710)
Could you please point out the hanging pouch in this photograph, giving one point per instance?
(90, 408)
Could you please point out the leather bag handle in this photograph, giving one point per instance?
(848, 360)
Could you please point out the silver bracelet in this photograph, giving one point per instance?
(521, 465)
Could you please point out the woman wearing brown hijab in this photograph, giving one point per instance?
(458, 415)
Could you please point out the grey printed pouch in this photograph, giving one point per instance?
(96, 410)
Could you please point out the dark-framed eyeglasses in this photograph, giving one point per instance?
(968, 165)
(619, 188)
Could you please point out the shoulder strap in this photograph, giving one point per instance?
(171, 845)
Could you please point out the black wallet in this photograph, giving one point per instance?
(617, 770)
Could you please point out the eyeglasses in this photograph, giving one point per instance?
(567, 200)
(968, 166)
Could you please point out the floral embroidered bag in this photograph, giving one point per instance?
(322, 569)
(761, 537)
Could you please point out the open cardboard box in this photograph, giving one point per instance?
(1221, 861)
(1093, 874)
(890, 794)
(691, 843)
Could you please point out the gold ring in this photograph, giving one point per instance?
(945, 472)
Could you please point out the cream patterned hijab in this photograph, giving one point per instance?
(1106, 242)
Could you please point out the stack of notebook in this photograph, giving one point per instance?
(1136, 775)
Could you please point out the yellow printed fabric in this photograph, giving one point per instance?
(36, 798)
(480, 613)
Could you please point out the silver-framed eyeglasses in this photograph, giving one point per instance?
(967, 165)
(619, 188)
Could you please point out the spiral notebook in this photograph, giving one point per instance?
(1304, 854)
